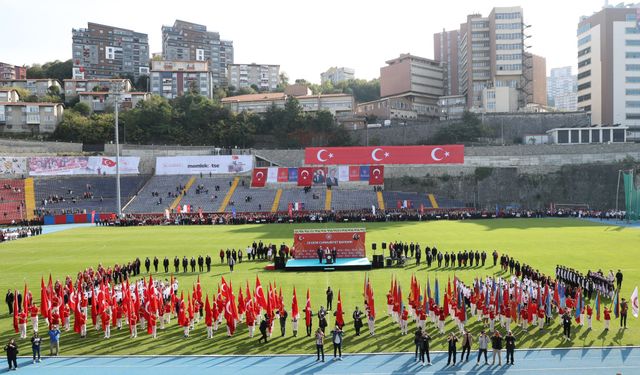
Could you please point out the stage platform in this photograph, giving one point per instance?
(344, 264)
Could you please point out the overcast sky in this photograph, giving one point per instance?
(303, 37)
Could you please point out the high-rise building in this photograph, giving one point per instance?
(186, 41)
(337, 75)
(562, 88)
(263, 76)
(445, 45)
(490, 53)
(101, 51)
(8, 71)
(418, 80)
(535, 80)
(609, 65)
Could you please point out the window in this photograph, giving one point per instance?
(606, 135)
(632, 42)
(632, 104)
(584, 86)
(633, 92)
(563, 136)
(491, 94)
(633, 67)
(632, 79)
(584, 40)
(631, 17)
(584, 74)
(633, 55)
(633, 116)
(632, 30)
(199, 54)
(595, 136)
(582, 98)
(584, 28)
(575, 136)
(584, 63)
(584, 136)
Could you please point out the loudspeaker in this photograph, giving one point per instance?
(384, 246)
(389, 262)
(374, 246)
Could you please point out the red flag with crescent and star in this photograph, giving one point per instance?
(376, 175)
(259, 177)
(372, 155)
(305, 176)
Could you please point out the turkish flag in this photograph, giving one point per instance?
(108, 162)
(259, 177)
(305, 176)
(441, 154)
(376, 175)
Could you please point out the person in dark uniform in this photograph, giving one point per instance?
(9, 300)
(137, 267)
(439, 260)
(322, 319)
(147, 264)
(495, 257)
(200, 263)
(357, 320)
(566, 325)
(185, 264)
(192, 262)
(412, 249)
(418, 252)
(155, 264)
(207, 261)
(429, 258)
(477, 256)
(510, 345)
(319, 252)
(619, 279)
(228, 254)
(234, 255)
(452, 342)
(12, 354)
(446, 260)
(19, 297)
(329, 293)
(176, 264)
(263, 328)
(424, 349)
(165, 263)
(483, 256)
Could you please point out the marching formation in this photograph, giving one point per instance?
(112, 299)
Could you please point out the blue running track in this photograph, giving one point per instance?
(544, 361)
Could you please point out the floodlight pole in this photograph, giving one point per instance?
(117, 88)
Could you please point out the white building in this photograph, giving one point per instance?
(263, 76)
(562, 89)
(337, 75)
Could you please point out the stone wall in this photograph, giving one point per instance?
(504, 128)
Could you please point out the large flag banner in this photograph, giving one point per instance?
(354, 173)
(293, 175)
(82, 165)
(319, 175)
(11, 165)
(349, 243)
(376, 175)
(332, 176)
(259, 177)
(440, 154)
(216, 164)
(343, 173)
(305, 176)
(283, 175)
(272, 175)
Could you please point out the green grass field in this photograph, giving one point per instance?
(542, 243)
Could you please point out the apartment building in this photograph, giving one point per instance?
(75, 87)
(9, 71)
(263, 76)
(187, 41)
(171, 79)
(38, 87)
(419, 80)
(101, 51)
(336, 75)
(22, 117)
(562, 89)
(609, 65)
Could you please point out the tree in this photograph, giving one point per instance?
(57, 69)
(467, 130)
(82, 109)
(142, 83)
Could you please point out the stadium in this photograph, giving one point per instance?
(519, 255)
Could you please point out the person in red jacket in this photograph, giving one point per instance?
(524, 317)
(133, 324)
(67, 317)
(541, 314)
(250, 317)
(389, 304)
(404, 321)
(607, 318)
(33, 310)
(82, 322)
(589, 315)
(105, 316)
(152, 325)
(441, 318)
(22, 324)
(308, 320)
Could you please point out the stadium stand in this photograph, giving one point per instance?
(353, 199)
(203, 193)
(12, 201)
(58, 195)
(246, 199)
(146, 201)
(299, 195)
